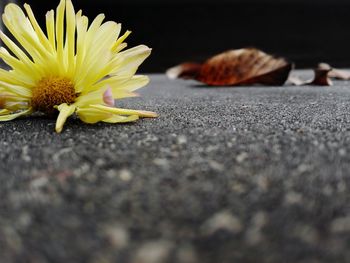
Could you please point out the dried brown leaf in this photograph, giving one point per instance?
(297, 81)
(321, 77)
(236, 67)
(184, 71)
(336, 73)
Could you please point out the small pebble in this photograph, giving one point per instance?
(39, 182)
(161, 162)
(216, 166)
(222, 221)
(241, 157)
(117, 236)
(292, 198)
(153, 252)
(181, 140)
(125, 175)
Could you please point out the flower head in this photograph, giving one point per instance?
(72, 68)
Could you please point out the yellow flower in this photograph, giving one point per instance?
(73, 68)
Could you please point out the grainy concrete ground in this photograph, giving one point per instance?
(223, 175)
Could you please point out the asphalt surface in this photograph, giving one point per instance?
(254, 174)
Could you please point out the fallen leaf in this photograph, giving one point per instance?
(184, 71)
(336, 73)
(321, 77)
(236, 67)
(296, 81)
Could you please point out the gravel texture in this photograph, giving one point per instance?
(255, 174)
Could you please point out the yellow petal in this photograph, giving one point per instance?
(118, 111)
(50, 27)
(17, 51)
(13, 77)
(43, 39)
(17, 64)
(20, 27)
(59, 33)
(95, 97)
(120, 40)
(120, 84)
(122, 119)
(97, 56)
(89, 115)
(4, 112)
(122, 94)
(21, 91)
(120, 47)
(127, 62)
(70, 38)
(84, 40)
(81, 27)
(12, 116)
(65, 111)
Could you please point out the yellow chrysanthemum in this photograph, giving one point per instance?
(73, 68)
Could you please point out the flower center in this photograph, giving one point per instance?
(52, 91)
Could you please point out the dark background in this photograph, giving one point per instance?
(306, 32)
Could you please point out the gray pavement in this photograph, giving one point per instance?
(223, 175)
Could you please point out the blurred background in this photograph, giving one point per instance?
(305, 31)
